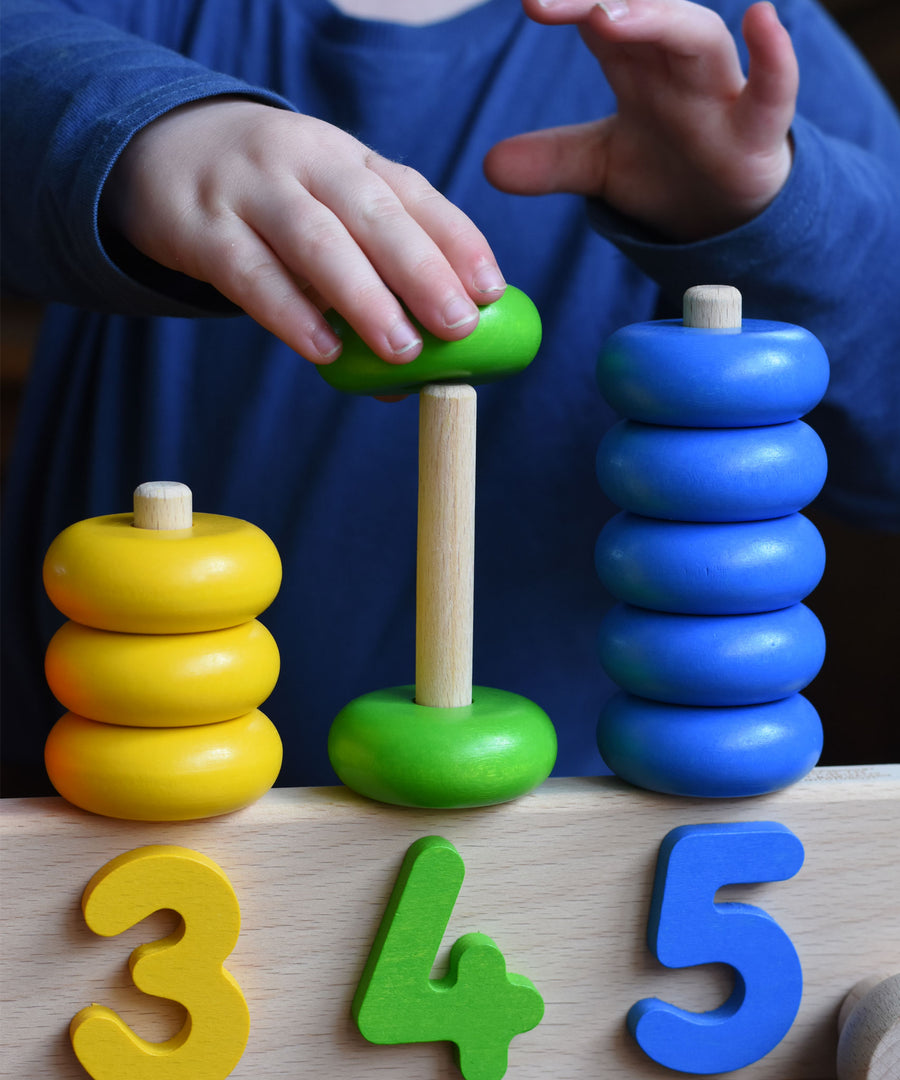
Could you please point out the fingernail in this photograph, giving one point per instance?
(489, 280)
(614, 9)
(403, 339)
(459, 312)
(328, 345)
(774, 10)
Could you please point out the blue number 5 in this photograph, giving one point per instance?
(687, 928)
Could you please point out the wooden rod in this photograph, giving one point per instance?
(713, 307)
(446, 546)
(163, 504)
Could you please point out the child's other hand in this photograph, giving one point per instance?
(288, 216)
(695, 148)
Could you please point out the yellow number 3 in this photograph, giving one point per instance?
(186, 967)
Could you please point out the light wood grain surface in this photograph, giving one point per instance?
(560, 880)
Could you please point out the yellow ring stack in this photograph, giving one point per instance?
(163, 664)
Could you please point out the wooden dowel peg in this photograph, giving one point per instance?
(163, 504)
(712, 307)
(869, 1027)
(446, 546)
(396, 745)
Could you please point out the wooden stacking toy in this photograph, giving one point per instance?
(443, 742)
(591, 929)
(163, 663)
(710, 559)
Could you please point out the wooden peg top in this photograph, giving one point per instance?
(163, 504)
(712, 307)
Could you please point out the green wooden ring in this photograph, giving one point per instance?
(386, 747)
(504, 342)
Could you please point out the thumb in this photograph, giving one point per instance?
(564, 159)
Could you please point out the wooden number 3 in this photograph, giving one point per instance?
(185, 967)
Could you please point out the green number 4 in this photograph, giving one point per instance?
(477, 1005)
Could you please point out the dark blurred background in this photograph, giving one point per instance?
(857, 692)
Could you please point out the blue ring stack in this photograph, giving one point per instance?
(710, 559)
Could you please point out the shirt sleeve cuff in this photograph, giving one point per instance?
(751, 254)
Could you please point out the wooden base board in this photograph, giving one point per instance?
(560, 879)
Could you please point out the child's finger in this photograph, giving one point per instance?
(570, 159)
(700, 52)
(310, 242)
(462, 244)
(348, 233)
(773, 75)
(425, 250)
(560, 11)
(245, 269)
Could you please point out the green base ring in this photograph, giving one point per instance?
(386, 747)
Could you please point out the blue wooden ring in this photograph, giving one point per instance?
(701, 474)
(719, 568)
(711, 660)
(709, 753)
(668, 373)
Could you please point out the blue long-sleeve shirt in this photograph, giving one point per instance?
(141, 373)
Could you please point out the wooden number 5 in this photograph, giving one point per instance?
(185, 967)
(688, 927)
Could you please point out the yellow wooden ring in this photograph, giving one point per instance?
(162, 680)
(163, 774)
(106, 573)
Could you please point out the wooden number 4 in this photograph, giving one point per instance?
(185, 967)
(477, 1005)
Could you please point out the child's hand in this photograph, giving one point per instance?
(288, 216)
(695, 148)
